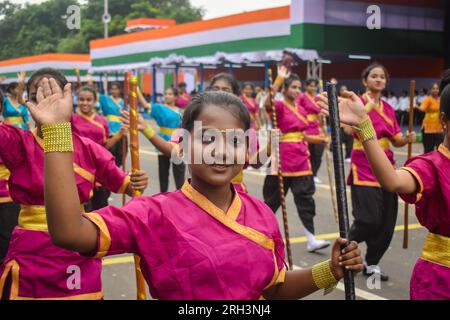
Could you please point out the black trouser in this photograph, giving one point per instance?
(347, 139)
(431, 141)
(375, 213)
(316, 152)
(99, 199)
(164, 169)
(302, 188)
(117, 152)
(9, 218)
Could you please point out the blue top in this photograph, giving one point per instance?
(17, 116)
(111, 110)
(168, 120)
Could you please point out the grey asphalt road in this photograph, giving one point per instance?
(118, 272)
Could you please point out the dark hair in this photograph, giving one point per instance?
(88, 89)
(248, 84)
(227, 77)
(311, 81)
(366, 71)
(49, 73)
(12, 86)
(116, 84)
(182, 85)
(444, 88)
(216, 98)
(174, 90)
(293, 77)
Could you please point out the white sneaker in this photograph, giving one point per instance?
(317, 245)
(348, 160)
(317, 180)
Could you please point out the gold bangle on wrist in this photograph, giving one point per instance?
(279, 81)
(365, 130)
(149, 132)
(57, 137)
(323, 277)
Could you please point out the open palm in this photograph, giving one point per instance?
(54, 105)
(351, 109)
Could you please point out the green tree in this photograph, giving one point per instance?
(39, 28)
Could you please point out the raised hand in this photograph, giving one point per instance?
(21, 76)
(54, 105)
(351, 108)
(283, 72)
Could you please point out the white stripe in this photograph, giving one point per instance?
(351, 13)
(358, 292)
(242, 32)
(63, 65)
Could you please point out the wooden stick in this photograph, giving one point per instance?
(135, 166)
(339, 173)
(77, 72)
(412, 90)
(280, 175)
(126, 89)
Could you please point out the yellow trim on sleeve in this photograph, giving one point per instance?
(418, 179)
(104, 235)
(124, 186)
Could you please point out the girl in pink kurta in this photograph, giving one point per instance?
(205, 241)
(424, 181)
(374, 209)
(251, 105)
(307, 101)
(295, 158)
(34, 268)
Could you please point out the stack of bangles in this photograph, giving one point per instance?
(365, 130)
(57, 137)
(323, 276)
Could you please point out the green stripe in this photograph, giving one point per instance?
(362, 40)
(67, 73)
(205, 50)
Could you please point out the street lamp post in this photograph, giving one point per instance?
(106, 18)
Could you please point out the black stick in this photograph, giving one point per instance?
(339, 173)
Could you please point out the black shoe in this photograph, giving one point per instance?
(383, 276)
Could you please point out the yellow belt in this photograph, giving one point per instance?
(14, 119)
(313, 117)
(167, 131)
(34, 217)
(437, 249)
(4, 172)
(113, 118)
(292, 137)
(384, 144)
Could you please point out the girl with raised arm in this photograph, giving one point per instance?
(424, 181)
(205, 241)
(34, 268)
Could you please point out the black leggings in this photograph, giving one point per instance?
(164, 169)
(431, 141)
(9, 218)
(316, 152)
(375, 213)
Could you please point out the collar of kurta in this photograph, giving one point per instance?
(229, 218)
(443, 149)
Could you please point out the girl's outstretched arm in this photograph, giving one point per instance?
(66, 225)
(353, 113)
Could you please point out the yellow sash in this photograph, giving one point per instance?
(167, 131)
(313, 117)
(383, 142)
(293, 137)
(14, 119)
(34, 217)
(113, 118)
(437, 249)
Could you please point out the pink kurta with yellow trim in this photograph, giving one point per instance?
(252, 108)
(94, 127)
(430, 279)
(294, 153)
(4, 175)
(313, 113)
(386, 128)
(190, 249)
(38, 268)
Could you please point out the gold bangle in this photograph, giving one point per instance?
(149, 132)
(365, 130)
(57, 137)
(279, 81)
(323, 277)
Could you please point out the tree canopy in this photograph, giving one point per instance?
(32, 29)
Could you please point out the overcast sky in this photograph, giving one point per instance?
(219, 8)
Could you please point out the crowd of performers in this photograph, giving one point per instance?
(209, 239)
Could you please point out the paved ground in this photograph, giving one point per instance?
(118, 273)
